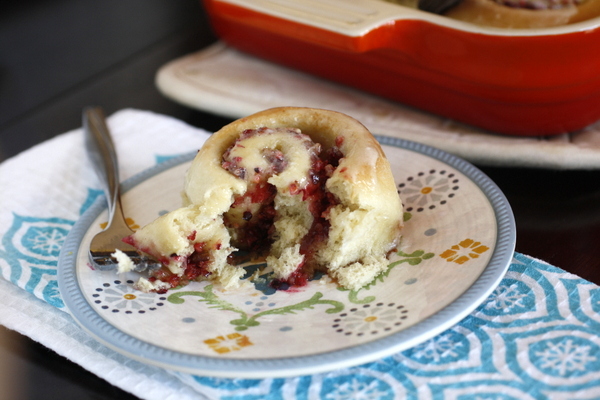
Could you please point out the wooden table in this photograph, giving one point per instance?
(58, 56)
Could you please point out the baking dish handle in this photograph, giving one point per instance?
(344, 24)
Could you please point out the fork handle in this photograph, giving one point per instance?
(101, 151)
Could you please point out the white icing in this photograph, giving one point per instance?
(252, 152)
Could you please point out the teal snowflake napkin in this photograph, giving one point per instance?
(536, 337)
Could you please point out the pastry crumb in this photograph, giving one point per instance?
(124, 262)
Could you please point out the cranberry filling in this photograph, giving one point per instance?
(196, 266)
(320, 202)
(252, 233)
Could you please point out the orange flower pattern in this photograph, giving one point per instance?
(466, 250)
(228, 343)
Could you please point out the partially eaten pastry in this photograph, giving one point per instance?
(308, 189)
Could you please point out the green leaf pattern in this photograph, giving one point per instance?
(245, 320)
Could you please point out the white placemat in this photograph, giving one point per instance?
(225, 81)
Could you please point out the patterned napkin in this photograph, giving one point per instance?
(536, 337)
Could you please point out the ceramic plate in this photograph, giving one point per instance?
(458, 241)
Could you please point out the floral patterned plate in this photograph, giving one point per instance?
(458, 241)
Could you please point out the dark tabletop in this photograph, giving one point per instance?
(59, 56)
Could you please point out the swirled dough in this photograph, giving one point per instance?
(308, 189)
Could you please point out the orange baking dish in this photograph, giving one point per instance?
(512, 81)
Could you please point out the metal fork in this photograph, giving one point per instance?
(101, 151)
